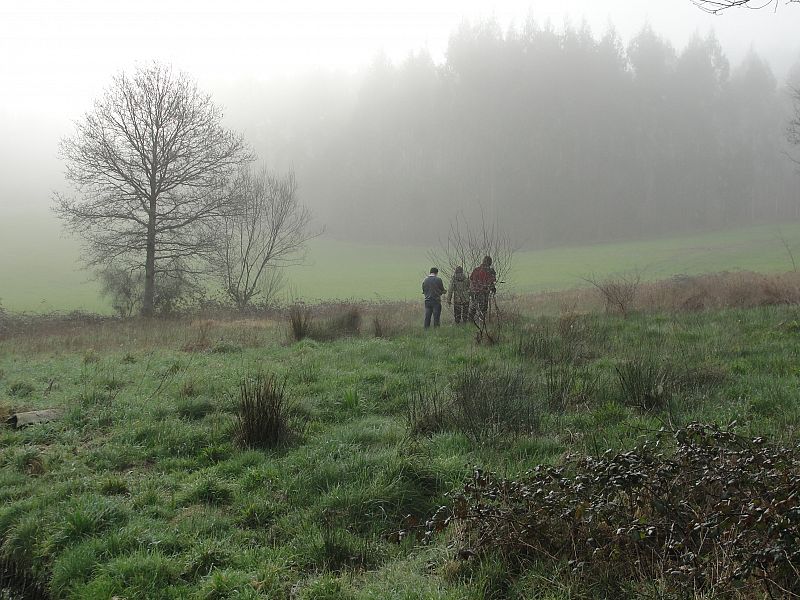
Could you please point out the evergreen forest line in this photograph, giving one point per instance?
(561, 135)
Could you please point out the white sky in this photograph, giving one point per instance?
(56, 56)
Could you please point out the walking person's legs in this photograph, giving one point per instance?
(460, 312)
(437, 313)
(428, 312)
(479, 306)
(473, 305)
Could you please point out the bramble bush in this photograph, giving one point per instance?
(700, 509)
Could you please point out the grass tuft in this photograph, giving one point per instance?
(194, 409)
(21, 389)
(646, 382)
(262, 418)
(209, 490)
(300, 320)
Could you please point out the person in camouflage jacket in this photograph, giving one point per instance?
(458, 295)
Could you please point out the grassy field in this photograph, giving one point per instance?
(41, 270)
(142, 492)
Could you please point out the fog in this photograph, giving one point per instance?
(396, 117)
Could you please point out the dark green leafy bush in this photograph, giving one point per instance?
(701, 510)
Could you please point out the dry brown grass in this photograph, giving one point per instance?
(79, 332)
(5, 411)
(65, 333)
(739, 289)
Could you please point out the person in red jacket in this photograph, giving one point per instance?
(481, 284)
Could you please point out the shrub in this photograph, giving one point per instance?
(429, 410)
(567, 384)
(702, 376)
(646, 382)
(300, 319)
(619, 293)
(380, 326)
(570, 339)
(481, 403)
(539, 343)
(701, 511)
(201, 341)
(487, 403)
(345, 324)
(262, 419)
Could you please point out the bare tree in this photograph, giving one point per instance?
(148, 163)
(466, 245)
(619, 292)
(265, 231)
(717, 6)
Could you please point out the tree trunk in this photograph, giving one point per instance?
(148, 302)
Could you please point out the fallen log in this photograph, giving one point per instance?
(32, 417)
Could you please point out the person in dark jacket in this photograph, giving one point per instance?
(433, 288)
(458, 295)
(481, 284)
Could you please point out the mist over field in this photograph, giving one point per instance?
(425, 300)
(565, 123)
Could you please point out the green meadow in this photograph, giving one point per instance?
(142, 490)
(41, 268)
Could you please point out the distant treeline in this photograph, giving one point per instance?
(563, 136)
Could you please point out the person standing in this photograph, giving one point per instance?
(458, 295)
(481, 284)
(433, 288)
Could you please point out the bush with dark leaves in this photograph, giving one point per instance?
(702, 510)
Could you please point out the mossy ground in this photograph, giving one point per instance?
(140, 491)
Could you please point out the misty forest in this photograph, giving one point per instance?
(567, 136)
(512, 315)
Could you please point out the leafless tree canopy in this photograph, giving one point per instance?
(265, 230)
(716, 7)
(147, 164)
(467, 244)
